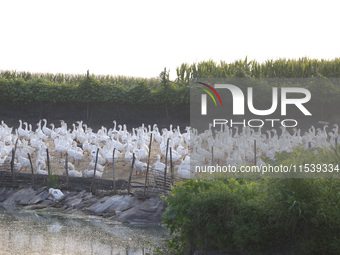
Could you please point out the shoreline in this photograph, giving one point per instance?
(120, 208)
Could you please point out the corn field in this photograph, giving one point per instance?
(281, 68)
(60, 78)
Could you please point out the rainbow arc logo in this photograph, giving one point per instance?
(204, 97)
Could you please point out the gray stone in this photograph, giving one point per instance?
(123, 208)
(4, 193)
(14, 197)
(75, 200)
(26, 196)
(147, 212)
(40, 195)
(108, 204)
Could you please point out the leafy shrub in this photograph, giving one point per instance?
(89, 90)
(53, 181)
(295, 216)
(221, 215)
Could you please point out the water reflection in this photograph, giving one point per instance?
(23, 232)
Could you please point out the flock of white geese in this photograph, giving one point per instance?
(231, 146)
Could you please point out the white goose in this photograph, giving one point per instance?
(118, 145)
(107, 153)
(73, 173)
(184, 171)
(24, 162)
(46, 130)
(41, 159)
(90, 173)
(76, 153)
(158, 164)
(21, 131)
(140, 167)
(40, 171)
(56, 194)
(101, 160)
(141, 153)
(70, 166)
(128, 156)
(40, 133)
(60, 146)
(53, 133)
(156, 135)
(99, 167)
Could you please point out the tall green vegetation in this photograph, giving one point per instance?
(258, 216)
(26, 87)
(281, 68)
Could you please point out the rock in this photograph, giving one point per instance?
(26, 197)
(117, 203)
(15, 196)
(148, 212)
(40, 195)
(4, 193)
(123, 208)
(78, 200)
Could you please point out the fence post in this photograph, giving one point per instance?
(66, 169)
(113, 170)
(94, 171)
(12, 166)
(171, 168)
(133, 162)
(166, 162)
(255, 152)
(147, 166)
(29, 158)
(48, 162)
(12, 161)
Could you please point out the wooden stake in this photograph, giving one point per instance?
(94, 171)
(29, 158)
(147, 166)
(255, 152)
(66, 169)
(12, 166)
(166, 162)
(12, 161)
(113, 169)
(133, 162)
(171, 168)
(48, 162)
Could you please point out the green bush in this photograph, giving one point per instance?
(221, 215)
(263, 216)
(310, 213)
(89, 90)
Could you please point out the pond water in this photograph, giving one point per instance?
(30, 232)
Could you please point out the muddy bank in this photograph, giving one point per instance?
(120, 208)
